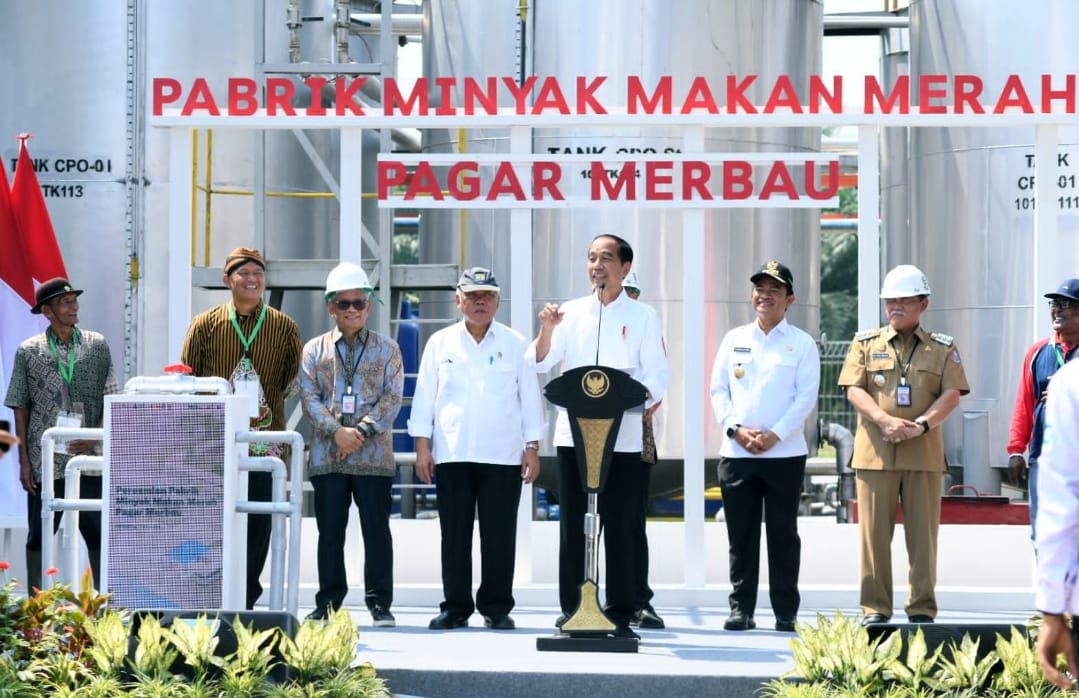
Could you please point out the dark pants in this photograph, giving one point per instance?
(495, 492)
(89, 521)
(642, 593)
(619, 514)
(750, 487)
(334, 494)
(259, 489)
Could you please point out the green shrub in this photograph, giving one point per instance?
(57, 642)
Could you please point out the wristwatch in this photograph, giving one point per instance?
(732, 430)
(923, 422)
(533, 445)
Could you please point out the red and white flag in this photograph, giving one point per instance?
(30, 256)
(32, 220)
(16, 325)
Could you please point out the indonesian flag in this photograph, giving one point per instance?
(28, 252)
(32, 220)
(16, 324)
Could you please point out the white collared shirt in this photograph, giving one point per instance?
(629, 338)
(1057, 532)
(478, 402)
(766, 381)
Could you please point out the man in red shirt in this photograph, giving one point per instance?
(1041, 361)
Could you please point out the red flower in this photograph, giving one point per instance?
(51, 571)
(4, 566)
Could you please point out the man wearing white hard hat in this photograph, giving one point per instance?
(904, 381)
(351, 380)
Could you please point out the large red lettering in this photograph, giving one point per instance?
(627, 180)
(1067, 94)
(832, 178)
(700, 97)
(736, 94)
(316, 84)
(778, 181)
(930, 89)
(201, 98)
(345, 96)
(550, 97)
(165, 91)
(506, 182)
(424, 183)
(968, 88)
(391, 173)
(473, 95)
(393, 102)
(657, 174)
(638, 97)
(695, 176)
(1013, 95)
(819, 94)
(519, 92)
(783, 95)
(545, 177)
(463, 181)
(737, 183)
(586, 96)
(875, 99)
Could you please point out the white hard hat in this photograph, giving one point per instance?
(904, 281)
(345, 277)
(631, 281)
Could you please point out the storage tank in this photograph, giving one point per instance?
(85, 105)
(972, 213)
(649, 38)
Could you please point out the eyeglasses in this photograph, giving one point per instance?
(1062, 304)
(358, 304)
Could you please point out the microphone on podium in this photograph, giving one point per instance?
(599, 326)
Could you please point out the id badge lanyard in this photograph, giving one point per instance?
(249, 387)
(68, 416)
(349, 366)
(903, 397)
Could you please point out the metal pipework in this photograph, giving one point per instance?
(591, 538)
(293, 509)
(49, 505)
(400, 25)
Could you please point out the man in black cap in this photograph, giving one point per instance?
(60, 379)
(477, 417)
(1040, 363)
(764, 386)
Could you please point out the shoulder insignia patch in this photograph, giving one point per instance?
(941, 338)
(866, 334)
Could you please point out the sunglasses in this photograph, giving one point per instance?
(1062, 304)
(358, 304)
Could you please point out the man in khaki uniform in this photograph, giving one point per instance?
(904, 381)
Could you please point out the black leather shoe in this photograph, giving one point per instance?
(561, 620)
(739, 621)
(444, 621)
(648, 619)
(499, 623)
(920, 618)
(874, 618)
(786, 625)
(320, 613)
(626, 632)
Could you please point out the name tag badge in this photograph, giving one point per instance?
(249, 388)
(902, 396)
(69, 420)
(348, 404)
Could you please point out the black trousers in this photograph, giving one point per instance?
(619, 512)
(89, 521)
(259, 489)
(494, 493)
(750, 487)
(334, 494)
(642, 592)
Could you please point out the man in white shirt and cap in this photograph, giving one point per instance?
(477, 417)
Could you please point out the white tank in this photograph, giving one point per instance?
(971, 206)
(649, 38)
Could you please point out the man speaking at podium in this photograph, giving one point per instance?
(605, 328)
